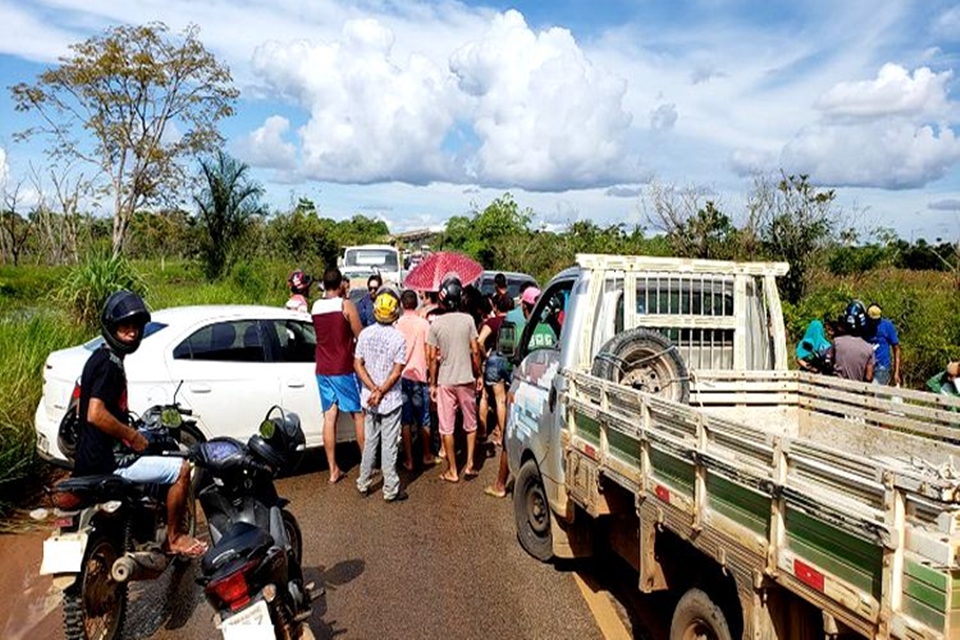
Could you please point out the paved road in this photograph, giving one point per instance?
(445, 563)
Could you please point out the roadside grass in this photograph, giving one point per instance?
(24, 345)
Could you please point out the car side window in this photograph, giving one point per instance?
(546, 322)
(296, 340)
(236, 341)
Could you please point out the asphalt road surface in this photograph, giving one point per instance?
(444, 564)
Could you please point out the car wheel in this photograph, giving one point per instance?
(532, 513)
(698, 618)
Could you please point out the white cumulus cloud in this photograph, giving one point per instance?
(895, 91)
(892, 155)
(372, 117)
(266, 147)
(545, 116)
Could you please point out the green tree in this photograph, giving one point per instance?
(228, 200)
(304, 237)
(490, 235)
(694, 226)
(796, 221)
(134, 102)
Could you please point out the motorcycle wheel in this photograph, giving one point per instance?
(294, 537)
(95, 607)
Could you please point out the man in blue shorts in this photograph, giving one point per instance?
(337, 325)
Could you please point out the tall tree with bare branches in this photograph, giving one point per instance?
(134, 102)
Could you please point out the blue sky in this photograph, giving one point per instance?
(416, 111)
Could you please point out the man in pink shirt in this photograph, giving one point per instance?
(413, 383)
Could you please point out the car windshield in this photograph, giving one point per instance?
(385, 259)
(149, 330)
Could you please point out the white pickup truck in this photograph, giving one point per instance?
(664, 423)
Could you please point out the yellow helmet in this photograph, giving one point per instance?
(386, 306)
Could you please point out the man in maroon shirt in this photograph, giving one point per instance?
(337, 325)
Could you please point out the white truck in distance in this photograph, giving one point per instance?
(362, 261)
(665, 424)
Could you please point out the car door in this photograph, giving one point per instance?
(292, 350)
(227, 380)
(535, 387)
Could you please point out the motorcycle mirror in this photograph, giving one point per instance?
(267, 429)
(171, 418)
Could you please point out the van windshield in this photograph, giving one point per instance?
(385, 259)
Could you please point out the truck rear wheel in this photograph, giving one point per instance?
(532, 513)
(698, 618)
(645, 360)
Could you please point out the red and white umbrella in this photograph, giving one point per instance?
(437, 267)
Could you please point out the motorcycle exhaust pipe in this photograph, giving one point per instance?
(138, 565)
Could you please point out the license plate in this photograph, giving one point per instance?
(252, 623)
(42, 443)
(63, 553)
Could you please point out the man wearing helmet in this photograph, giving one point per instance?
(299, 289)
(453, 381)
(105, 419)
(852, 357)
(379, 360)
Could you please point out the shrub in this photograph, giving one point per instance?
(87, 287)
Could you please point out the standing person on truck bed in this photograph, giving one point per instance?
(853, 357)
(882, 334)
(453, 380)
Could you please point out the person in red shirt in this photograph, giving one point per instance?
(337, 325)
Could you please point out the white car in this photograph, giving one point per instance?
(234, 362)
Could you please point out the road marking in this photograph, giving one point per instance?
(611, 626)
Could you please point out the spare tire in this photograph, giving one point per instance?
(647, 361)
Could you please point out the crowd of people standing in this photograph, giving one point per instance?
(411, 366)
(863, 345)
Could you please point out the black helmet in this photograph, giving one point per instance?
(855, 317)
(280, 442)
(123, 307)
(450, 293)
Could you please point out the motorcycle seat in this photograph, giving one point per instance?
(240, 542)
(83, 491)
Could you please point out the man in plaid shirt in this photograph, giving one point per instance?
(379, 359)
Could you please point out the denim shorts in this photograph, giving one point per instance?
(152, 470)
(416, 403)
(497, 370)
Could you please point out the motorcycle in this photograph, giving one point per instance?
(111, 531)
(252, 575)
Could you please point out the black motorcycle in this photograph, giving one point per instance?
(111, 531)
(252, 575)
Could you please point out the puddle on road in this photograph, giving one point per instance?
(33, 605)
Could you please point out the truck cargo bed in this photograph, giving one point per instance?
(841, 492)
